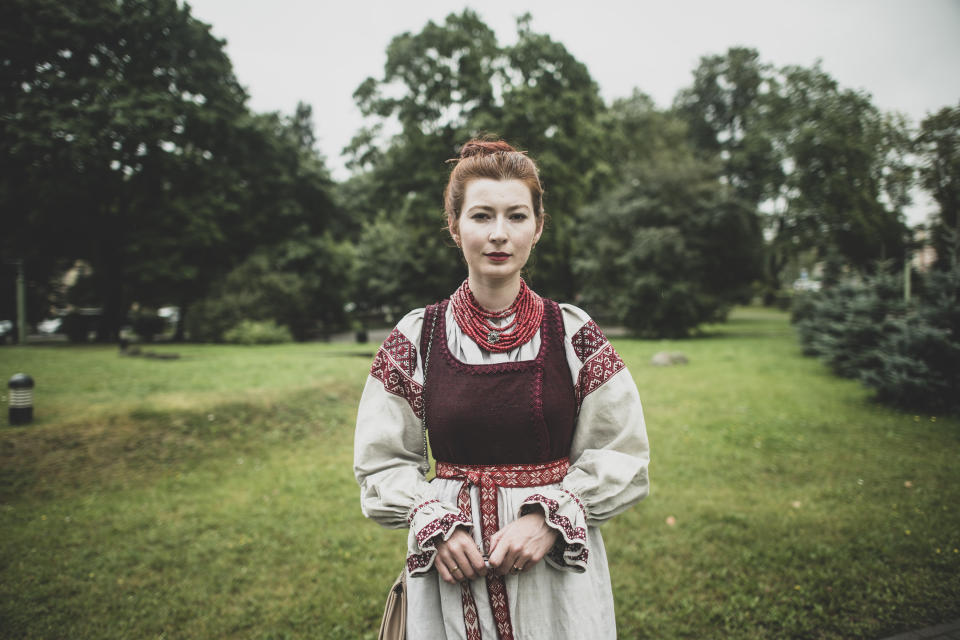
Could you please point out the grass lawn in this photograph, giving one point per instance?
(212, 497)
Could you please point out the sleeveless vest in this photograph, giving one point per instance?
(508, 413)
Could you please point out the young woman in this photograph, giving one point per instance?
(534, 422)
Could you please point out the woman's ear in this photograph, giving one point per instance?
(536, 236)
(453, 229)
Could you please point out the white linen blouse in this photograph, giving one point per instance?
(568, 594)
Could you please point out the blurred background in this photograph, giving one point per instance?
(175, 169)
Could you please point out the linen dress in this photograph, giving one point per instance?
(566, 595)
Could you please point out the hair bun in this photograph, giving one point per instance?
(484, 148)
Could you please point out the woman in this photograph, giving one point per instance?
(533, 419)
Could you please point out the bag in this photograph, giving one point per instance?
(394, 623)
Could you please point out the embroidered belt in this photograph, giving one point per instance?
(489, 478)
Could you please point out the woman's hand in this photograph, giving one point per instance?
(458, 558)
(521, 544)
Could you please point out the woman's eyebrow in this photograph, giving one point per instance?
(486, 207)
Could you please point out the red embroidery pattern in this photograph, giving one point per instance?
(471, 617)
(596, 371)
(418, 561)
(394, 365)
(418, 507)
(489, 478)
(438, 527)
(570, 533)
(557, 555)
(588, 340)
(441, 526)
(402, 351)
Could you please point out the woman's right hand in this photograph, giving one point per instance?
(458, 558)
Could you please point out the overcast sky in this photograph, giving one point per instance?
(906, 53)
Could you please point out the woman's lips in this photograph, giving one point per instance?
(497, 257)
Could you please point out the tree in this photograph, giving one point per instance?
(551, 107)
(731, 110)
(672, 246)
(828, 170)
(163, 179)
(939, 149)
(456, 82)
(102, 103)
(849, 179)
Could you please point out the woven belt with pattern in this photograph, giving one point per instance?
(489, 478)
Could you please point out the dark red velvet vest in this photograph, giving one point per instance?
(511, 413)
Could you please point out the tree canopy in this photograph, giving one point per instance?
(128, 145)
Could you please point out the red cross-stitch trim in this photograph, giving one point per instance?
(574, 538)
(588, 340)
(596, 371)
(394, 365)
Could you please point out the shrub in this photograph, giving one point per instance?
(908, 353)
(919, 366)
(254, 332)
(299, 284)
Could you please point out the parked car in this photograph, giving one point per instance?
(49, 326)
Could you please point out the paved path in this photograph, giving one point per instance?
(947, 631)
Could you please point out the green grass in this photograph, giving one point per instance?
(213, 497)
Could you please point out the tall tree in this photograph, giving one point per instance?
(551, 107)
(731, 110)
(457, 82)
(824, 165)
(667, 245)
(127, 143)
(849, 179)
(102, 103)
(939, 148)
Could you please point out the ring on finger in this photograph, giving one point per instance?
(455, 568)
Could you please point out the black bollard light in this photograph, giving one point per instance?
(21, 399)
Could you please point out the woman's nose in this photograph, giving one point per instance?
(499, 232)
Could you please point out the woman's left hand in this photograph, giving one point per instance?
(521, 544)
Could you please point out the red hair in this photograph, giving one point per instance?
(496, 160)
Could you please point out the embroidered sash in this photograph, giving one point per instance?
(488, 478)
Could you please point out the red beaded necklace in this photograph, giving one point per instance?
(474, 320)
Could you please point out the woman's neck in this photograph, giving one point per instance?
(496, 295)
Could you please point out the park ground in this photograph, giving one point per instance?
(212, 496)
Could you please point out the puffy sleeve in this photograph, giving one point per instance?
(609, 455)
(388, 454)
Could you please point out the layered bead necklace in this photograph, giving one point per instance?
(475, 321)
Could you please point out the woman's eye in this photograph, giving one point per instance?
(520, 217)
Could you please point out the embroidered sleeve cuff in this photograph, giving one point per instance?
(564, 513)
(430, 522)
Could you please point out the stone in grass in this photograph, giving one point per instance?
(667, 358)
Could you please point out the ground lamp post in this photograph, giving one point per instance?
(21, 399)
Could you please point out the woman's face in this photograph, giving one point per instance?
(497, 229)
